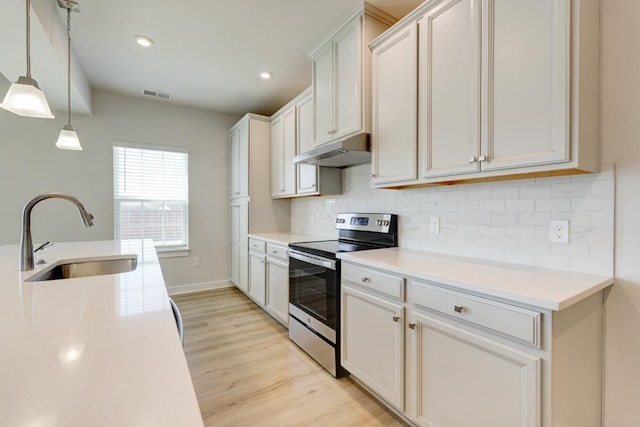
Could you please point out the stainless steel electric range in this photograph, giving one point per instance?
(314, 283)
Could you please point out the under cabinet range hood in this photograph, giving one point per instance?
(350, 151)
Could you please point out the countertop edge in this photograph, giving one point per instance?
(593, 283)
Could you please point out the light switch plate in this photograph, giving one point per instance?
(559, 231)
(434, 225)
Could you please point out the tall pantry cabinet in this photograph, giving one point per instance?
(251, 208)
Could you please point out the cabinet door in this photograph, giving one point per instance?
(373, 343)
(257, 278)
(278, 289)
(449, 81)
(234, 263)
(239, 161)
(525, 83)
(348, 86)
(462, 379)
(307, 179)
(394, 136)
(288, 153)
(323, 96)
(277, 154)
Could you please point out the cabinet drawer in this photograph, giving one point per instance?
(382, 282)
(514, 322)
(277, 251)
(257, 245)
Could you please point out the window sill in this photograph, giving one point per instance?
(172, 252)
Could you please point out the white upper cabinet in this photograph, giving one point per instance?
(239, 160)
(394, 134)
(341, 75)
(291, 132)
(525, 82)
(504, 88)
(307, 175)
(283, 146)
(449, 101)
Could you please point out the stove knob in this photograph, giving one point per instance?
(385, 222)
(379, 222)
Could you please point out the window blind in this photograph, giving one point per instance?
(151, 194)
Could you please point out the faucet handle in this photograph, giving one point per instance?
(43, 246)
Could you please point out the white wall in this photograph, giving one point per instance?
(31, 164)
(621, 144)
(502, 221)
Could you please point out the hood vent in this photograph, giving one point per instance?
(351, 151)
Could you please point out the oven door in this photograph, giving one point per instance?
(313, 284)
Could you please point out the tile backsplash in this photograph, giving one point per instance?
(502, 221)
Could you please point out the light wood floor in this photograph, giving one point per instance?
(246, 371)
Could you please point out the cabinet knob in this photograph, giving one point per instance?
(372, 175)
(482, 158)
(458, 308)
(331, 132)
(412, 325)
(472, 159)
(396, 318)
(365, 279)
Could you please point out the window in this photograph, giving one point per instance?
(151, 194)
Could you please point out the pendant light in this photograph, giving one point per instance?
(68, 138)
(24, 97)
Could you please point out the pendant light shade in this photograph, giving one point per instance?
(68, 139)
(24, 97)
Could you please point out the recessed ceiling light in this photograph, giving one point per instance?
(266, 75)
(143, 41)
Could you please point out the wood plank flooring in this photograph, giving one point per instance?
(246, 371)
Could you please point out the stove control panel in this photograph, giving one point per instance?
(379, 223)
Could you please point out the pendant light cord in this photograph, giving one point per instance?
(69, 64)
(28, 39)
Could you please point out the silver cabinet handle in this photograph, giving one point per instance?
(365, 280)
(396, 318)
(458, 308)
(412, 325)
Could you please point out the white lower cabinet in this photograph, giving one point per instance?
(462, 379)
(444, 357)
(373, 342)
(269, 278)
(278, 282)
(257, 282)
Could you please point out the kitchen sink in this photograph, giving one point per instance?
(86, 267)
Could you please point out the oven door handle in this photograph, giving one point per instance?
(321, 262)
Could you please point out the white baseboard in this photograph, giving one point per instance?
(196, 287)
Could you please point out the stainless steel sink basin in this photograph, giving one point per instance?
(86, 267)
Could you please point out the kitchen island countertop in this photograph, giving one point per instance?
(93, 351)
(540, 287)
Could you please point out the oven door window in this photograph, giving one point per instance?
(313, 290)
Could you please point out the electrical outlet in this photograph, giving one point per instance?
(559, 231)
(196, 261)
(434, 225)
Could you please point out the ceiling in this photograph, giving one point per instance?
(207, 53)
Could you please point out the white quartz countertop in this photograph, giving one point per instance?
(286, 238)
(540, 287)
(95, 351)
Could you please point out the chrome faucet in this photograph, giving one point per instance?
(26, 244)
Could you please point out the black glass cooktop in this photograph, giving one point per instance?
(329, 248)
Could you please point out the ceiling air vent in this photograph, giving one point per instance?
(156, 94)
